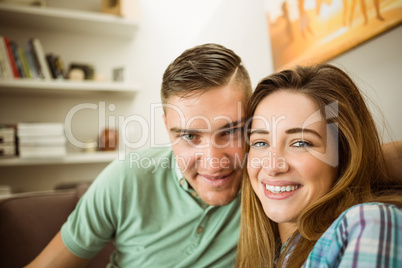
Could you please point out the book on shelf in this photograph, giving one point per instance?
(40, 55)
(5, 66)
(17, 59)
(24, 63)
(41, 140)
(31, 64)
(10, 57)
(17, 62)
(55, 66)
(35, 61)
(7, 150)
(35, 140)
(7, 134)
(38, 129)
(8, 145)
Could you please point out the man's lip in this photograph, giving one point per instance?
(210, 177)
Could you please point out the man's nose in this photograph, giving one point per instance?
(214, 159)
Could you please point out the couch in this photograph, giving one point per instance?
(29, 221)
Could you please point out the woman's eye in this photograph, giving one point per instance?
(259, 144)
(302, 144)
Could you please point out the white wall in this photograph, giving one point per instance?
(169, 27)
(376, 66)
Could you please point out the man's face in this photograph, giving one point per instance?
(206, 135)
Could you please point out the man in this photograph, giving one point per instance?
(183, 210)
(179, 206)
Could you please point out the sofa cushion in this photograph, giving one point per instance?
(29, 221)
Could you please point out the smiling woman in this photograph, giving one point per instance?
(300, 171)
(309, 193)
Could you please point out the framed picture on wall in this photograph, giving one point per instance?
(314, 31)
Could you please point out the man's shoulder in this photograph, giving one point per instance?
(151, 158)
(154, 152)
(146, 162)
(154, 161)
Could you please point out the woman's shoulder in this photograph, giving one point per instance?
(356, 234)
(375, 215)
(374, 210)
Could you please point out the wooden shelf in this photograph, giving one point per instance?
(29, 86)
(73, 158)
(67, 20)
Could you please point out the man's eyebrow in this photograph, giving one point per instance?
(197, 131)
(188, 131)
(233, 124)
(301, 130)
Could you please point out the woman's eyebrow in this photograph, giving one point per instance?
(301, 130)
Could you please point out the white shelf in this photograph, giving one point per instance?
(29, 86)
(67, 20)
(73, 158)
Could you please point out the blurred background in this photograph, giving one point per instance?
(164, 29)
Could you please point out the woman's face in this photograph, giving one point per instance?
(292, 161)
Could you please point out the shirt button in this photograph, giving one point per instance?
(194, 194)
(182, 182)
(200, 230)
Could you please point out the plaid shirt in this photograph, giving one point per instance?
(365, 235)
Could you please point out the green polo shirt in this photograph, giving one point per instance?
(154, 217)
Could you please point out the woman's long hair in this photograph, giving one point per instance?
(361, 166)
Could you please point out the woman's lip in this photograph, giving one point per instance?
(279, 182)
(281, 195)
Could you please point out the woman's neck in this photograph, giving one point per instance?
(286, 229)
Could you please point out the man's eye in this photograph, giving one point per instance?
(188, 137)
(259, 144)
(230, 131)
(302, 144)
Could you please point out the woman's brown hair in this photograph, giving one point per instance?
(360, 166)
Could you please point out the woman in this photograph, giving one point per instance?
(314, 156)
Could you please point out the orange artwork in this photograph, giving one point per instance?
(314, 31)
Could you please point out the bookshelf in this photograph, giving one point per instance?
(64, 87)
(49, 21)
(67, 20)
(71, 158)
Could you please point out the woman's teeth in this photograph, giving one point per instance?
(281, 189)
